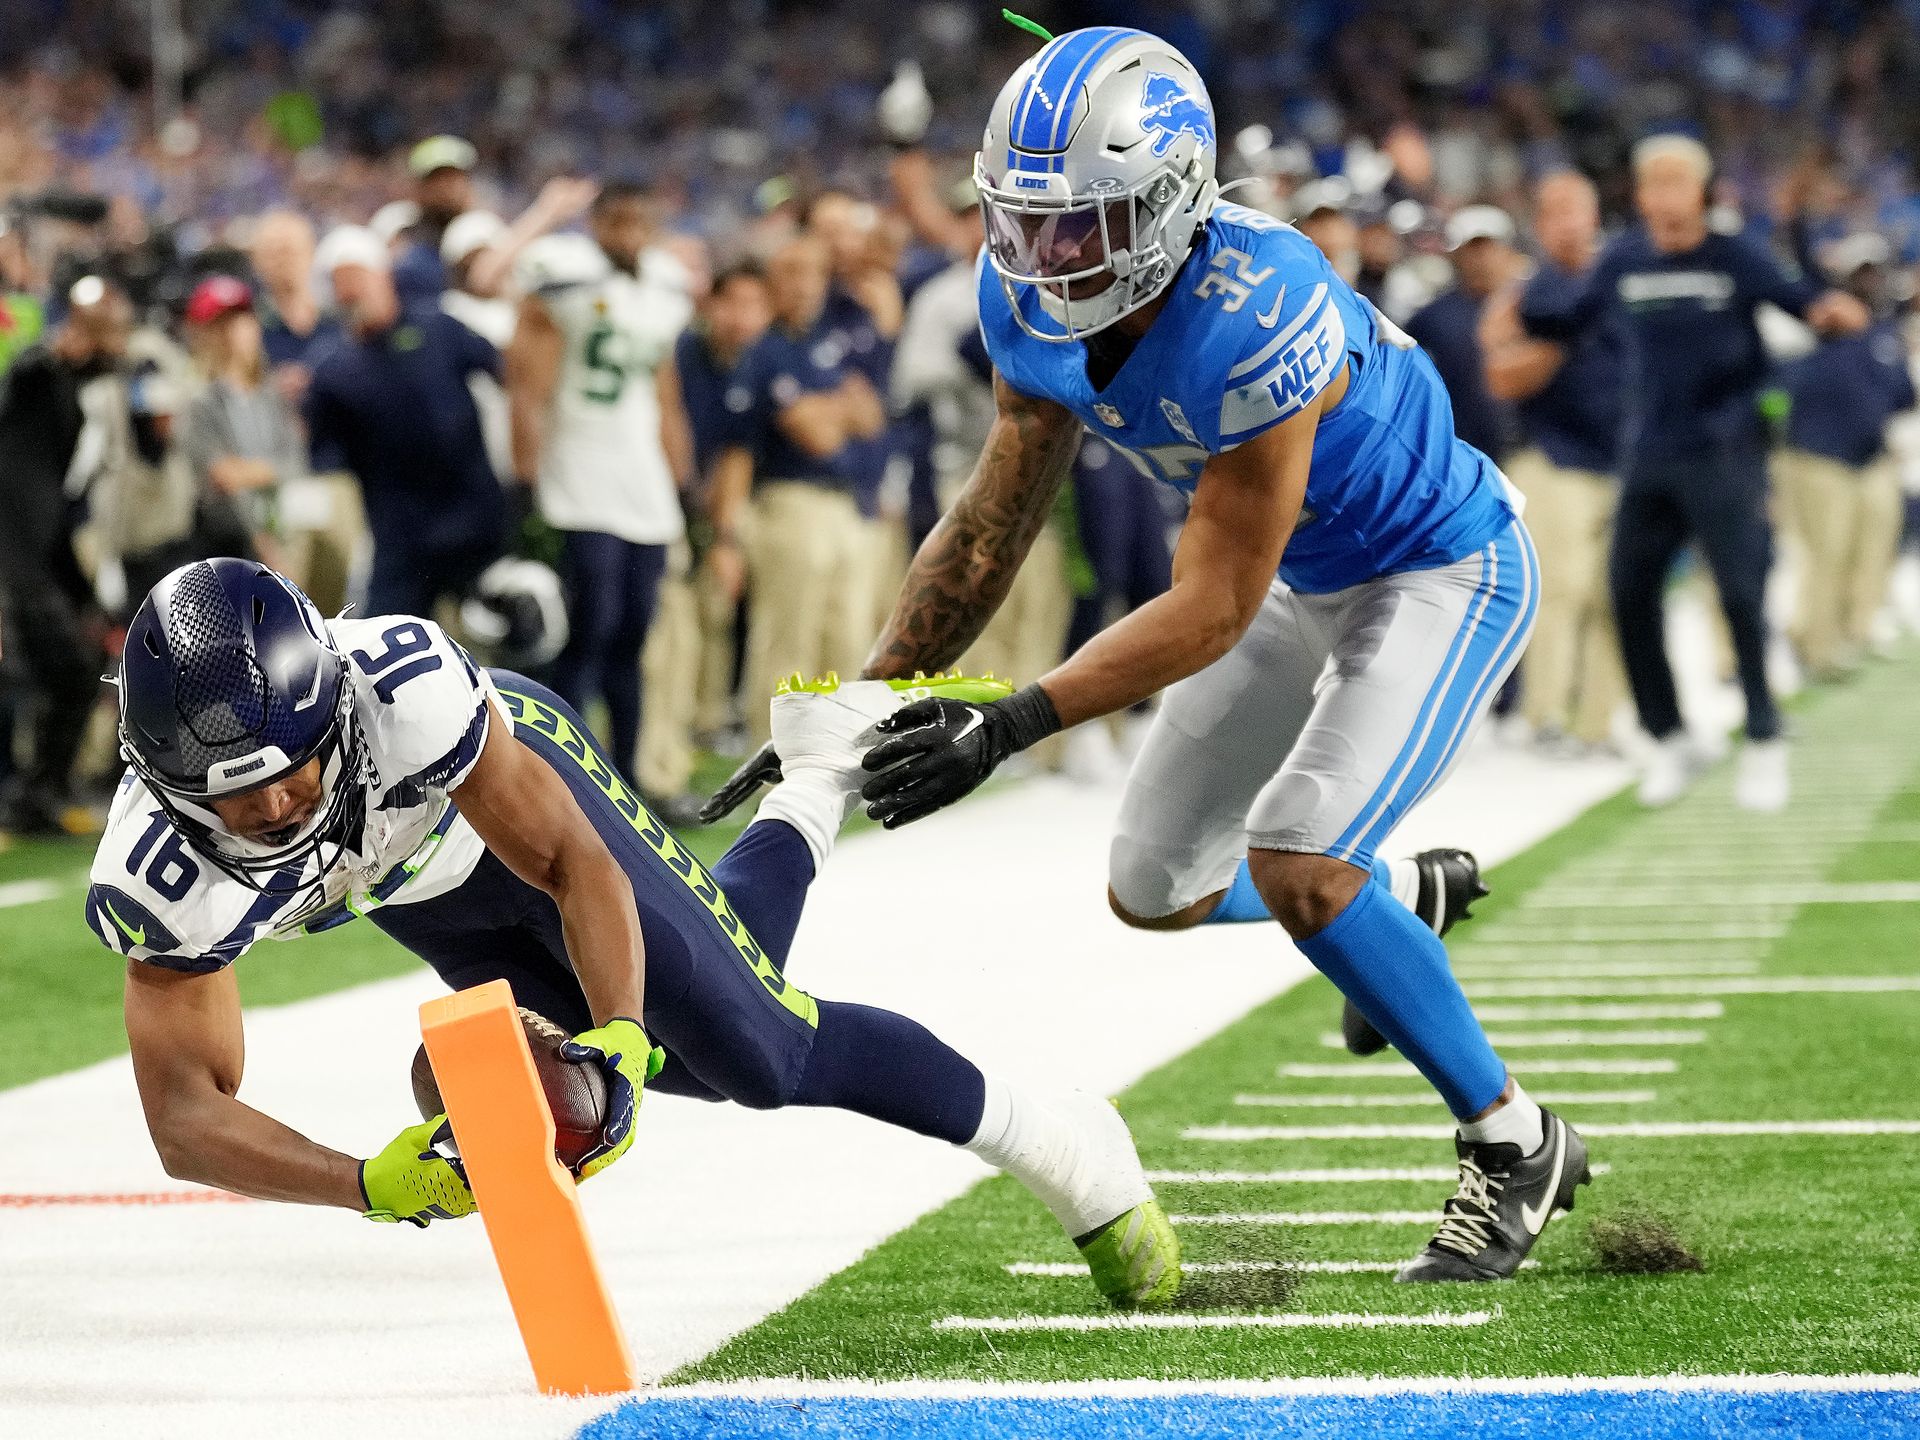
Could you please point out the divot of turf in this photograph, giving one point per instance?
(1636, 1241)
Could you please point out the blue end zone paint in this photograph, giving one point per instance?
(1576, 1415)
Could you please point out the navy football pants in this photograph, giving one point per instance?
(1717, 500)
(716, 998)
(612, 587)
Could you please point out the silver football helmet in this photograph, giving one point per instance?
(1095, 174)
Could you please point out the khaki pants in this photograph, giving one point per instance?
(713, 689)
(1028, 633)
(670, 669)
(325, 532)
(1847, 520)
(809, 558)
(1573, 674)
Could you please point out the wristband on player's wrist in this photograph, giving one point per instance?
(1028, 717)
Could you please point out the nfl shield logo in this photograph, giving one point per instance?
(1108, 415)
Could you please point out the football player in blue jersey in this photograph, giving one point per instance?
(1351, 586)
(288, 773)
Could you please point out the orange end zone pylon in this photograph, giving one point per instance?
(526, 1197)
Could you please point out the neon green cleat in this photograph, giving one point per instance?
(1135, 1259)
(980, 689)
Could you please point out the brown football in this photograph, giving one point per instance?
(576, 1094)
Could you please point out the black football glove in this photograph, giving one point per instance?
(760, 768)
(938, 750)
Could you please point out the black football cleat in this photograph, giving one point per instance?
(1449, 884)
(1504, 1201)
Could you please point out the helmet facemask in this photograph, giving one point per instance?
(324, 838)
(1060, 248)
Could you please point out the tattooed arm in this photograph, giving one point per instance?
(964, 569)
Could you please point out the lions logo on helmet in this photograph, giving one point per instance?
(1171, 112)
(1095, 174)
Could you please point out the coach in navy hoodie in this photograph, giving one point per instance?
(1693, 453)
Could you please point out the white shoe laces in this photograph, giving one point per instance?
(1470, 1213)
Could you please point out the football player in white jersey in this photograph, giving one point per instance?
(290, 773)
(1350, 588)
(599, 431)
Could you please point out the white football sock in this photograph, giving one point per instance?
(1405, 875)
(815, 803)
(1080, 1177)
(1517, 1122)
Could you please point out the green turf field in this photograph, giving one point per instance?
(1638, 934)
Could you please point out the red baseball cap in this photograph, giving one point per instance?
(215, 296)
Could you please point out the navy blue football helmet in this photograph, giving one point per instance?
(229, 682)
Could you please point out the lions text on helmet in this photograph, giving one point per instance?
(1095, 173)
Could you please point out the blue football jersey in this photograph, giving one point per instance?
(1256, 325)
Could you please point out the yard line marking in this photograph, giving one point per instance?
(1650, 1130)
(1671, 969)
(1522, 1040)
(1579, 1010)
(34, 1200)
(1858, 892)
(1553, 928)
(1709, 985)
(1260, 1320)
(1428, 1097)
(1061, 1269)
(28, 892)
(1551, 949)
(1332, 1174)
(1311, 1217)
(1396, 1069)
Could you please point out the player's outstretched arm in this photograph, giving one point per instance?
(1243, 512)
(188, 1051)
(964, 569)
(523, 810)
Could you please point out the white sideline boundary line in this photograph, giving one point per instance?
(1518, 989)
(1311, 1217)
(1289, 1320)
(1411, 1099)
(793, 1388)
(1330, 1175)
(28, 892)
(1399, 1069)
(1629, 1130)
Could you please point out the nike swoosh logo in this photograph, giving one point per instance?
(138, 937)
(1535, 1220)
(1272, 317)
(975, 719)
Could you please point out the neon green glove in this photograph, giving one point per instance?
(410, 1180)
(621, 1049)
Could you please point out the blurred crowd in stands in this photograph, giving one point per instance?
(636, 340)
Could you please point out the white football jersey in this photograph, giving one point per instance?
(603, 466)
(424, 710)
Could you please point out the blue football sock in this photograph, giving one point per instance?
(887, 1067)
(1395, 969)
(765, 875)
(1241, 903)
